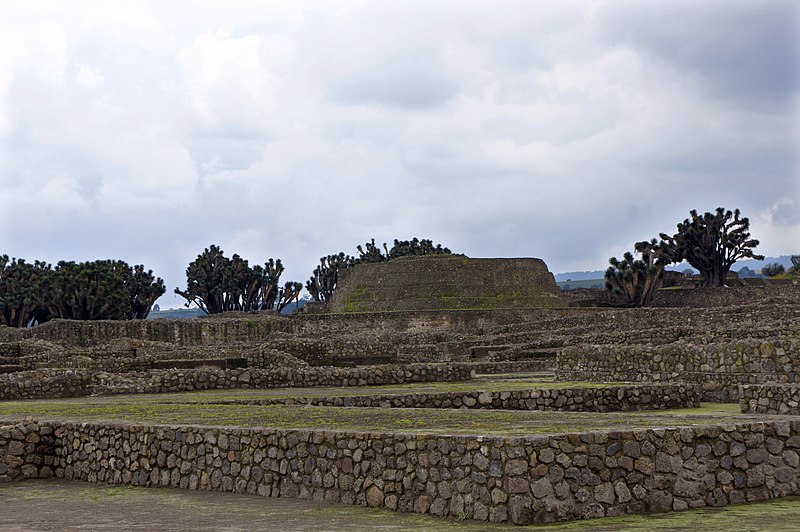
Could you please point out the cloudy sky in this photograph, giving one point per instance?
(146, 131)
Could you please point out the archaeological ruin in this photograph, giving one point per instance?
(453, 387)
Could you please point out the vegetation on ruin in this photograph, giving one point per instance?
(712, 243)
(635, 281)
(401, 248)
(96, 290)
(325, 277)
(216, 284)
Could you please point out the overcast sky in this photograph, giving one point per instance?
(561, 130)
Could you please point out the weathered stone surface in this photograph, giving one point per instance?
(446, 281)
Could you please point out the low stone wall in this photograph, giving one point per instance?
(766, 291)
(608, 399)
(187, 332)
(770, 399)
(720, 367)
(73, 383)
(26, 451)
(523, 480)
(729, 296)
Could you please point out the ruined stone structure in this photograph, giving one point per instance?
(446, 282)
(521, 480)
(771, 398)
(400, 322)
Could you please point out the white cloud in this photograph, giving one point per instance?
(294, 129)
(88, 76)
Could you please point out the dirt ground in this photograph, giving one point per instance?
(78, 506)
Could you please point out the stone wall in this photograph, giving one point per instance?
(459, 330)
(49, 383)
(783, 293)
(445, 282)
(499, 479)
(729, 296)
(187, 332)
(603, 399)
(770, 399)
(728, 364)
(26, 451)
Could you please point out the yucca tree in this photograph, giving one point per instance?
(217, 284)
(713, 242)
(22, 291)
(325, 276)
(634, 280)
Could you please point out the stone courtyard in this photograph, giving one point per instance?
(520, 415)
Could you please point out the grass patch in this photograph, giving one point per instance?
(412, 420)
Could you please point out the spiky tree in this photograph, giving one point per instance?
(635, 281)
(270, 284)
(288, 293)
(401, 248)
(712, 243)
(217, 284)
(325, 277)
(415, 246)
(143, 291)
(22, 292)
(103, 289)
(241, 283)
(89, 291)
(373, 253)
(207, 281)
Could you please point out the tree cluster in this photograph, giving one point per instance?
(218, 284)
(711, 242)
(96, 290)
(325, 276)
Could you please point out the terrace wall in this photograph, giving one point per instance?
(770, 399)
(719, 367)
(518, 479)
(199, 331)
(768, 291)
(604, 399)
(74, 383)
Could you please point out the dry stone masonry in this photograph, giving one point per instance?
(770, 399)
(499, 479)
(720, 367)
(595, 399)
(48, 383)
(446, 281)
